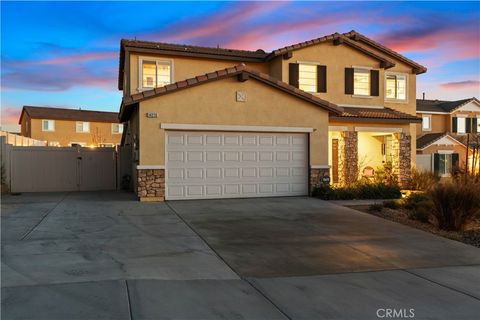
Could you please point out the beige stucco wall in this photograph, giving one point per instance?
(187, 67)
(65, 133)
(214, 103)
(440, 123)
(461, 150)
(337, 58)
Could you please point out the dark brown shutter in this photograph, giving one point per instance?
(374, 83)
(293, 74)
(436, 163)
(321, 78)
(468, 123)
(455, 161)
(454, 124)
(348, 80)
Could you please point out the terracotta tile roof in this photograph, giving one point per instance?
(384, 114)
(387, 63)
(360, 37)
(240, 70)
(429, 138)
(352, 39)
(69, 114)
(188, 50)
(442, 105)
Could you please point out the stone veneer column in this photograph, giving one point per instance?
(316, 175)
(401, 163)
(151, 184)
(348, 158)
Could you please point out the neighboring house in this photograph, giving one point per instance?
(222, 123)
(443, 132)
(68, 127)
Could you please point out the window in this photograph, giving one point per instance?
(426, 122)
(107, 145)
(396, 86)
(361, 82)
(48, 125)
(307, 77)
(53, 144)
(478, 124)
(461, 125)
(444, 164)
(83, 126)
(117, 128)
(154, 73)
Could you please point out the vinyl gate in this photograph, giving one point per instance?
(47, 169)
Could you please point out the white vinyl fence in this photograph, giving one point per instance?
(49, 169)
(424, 162)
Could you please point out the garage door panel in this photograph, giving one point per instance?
(228, 165)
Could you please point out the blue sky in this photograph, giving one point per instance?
(65, 54)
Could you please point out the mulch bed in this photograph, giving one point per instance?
(471, 234)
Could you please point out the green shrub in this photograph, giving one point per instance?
(421, 180)
(361, 190)
(456, 202)
(385, 174)
(419, 206)
(392, 204)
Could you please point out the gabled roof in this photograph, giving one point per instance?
(372, 114)
(68, 114)
(352, 39)
(430, 138)
(339, 39)
(442, 105)
(240, 71)
(418, 68)
(186, 50)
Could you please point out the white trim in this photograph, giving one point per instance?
(444, 136)
(432, 112)
(337, 128)
(362, 96)
(377, 129)
(444, 151)
(151, 167)
(360, 106)
(461, 115)
(309, 62)
(140, 70)
(53, 126)
(213, 127)
(321, 166)
(429, 116)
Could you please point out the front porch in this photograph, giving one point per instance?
(358, 152)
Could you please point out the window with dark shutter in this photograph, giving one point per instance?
(468, 125)
(455, 161)
(322, 78)
(293, 74)
(374, 83)
(436, 163)
(348, 80)
(475, 125)
(454, 124)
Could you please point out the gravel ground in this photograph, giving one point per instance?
(469, 236)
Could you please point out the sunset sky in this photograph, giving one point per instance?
(65, 54)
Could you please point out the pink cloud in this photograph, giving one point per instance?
(90, 56)
(467, 84)
(10, 115)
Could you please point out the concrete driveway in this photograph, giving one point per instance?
(106, 256)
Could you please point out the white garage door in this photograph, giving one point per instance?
(202, 165)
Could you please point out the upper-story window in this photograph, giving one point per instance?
(307, 77)
(477, 124)
(48, 125)
(361, 82)
(396, 86)
(154, 73)
(82, 127)
(117, 128)
(461, 125)
(426, 122)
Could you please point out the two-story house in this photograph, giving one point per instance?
(222, 123)
(443, 133)
(68, 127)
